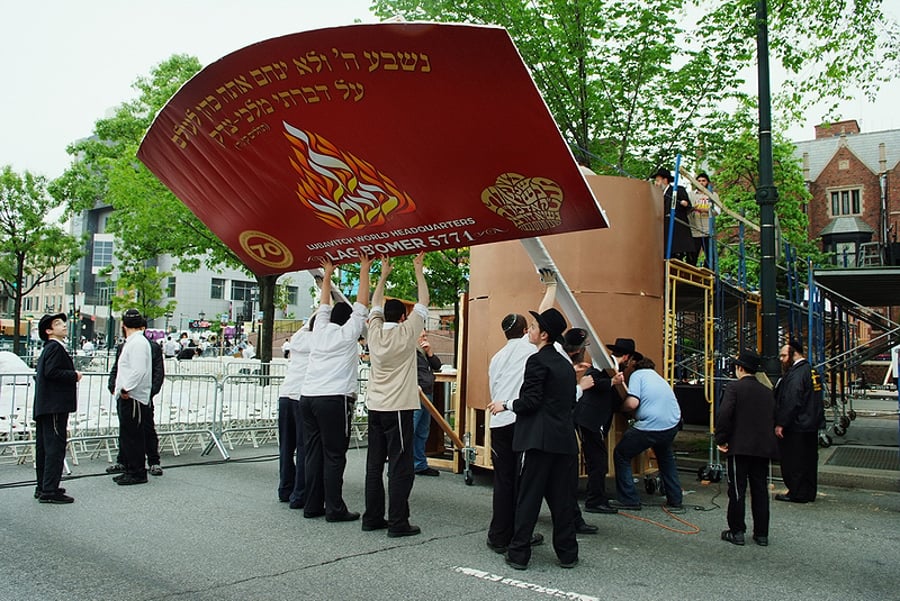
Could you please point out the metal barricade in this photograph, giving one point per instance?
(189, 413)
(250, 408)
(16, 423)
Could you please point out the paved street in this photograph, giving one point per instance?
(216, 531)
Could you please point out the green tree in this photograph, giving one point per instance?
(32, 251)
(736, 181)
(149, 220)
(141, 287)
(635, 82)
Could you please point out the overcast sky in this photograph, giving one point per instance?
(66, 63)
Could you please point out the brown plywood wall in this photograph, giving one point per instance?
(617, 275)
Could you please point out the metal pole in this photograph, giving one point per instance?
(766, 197)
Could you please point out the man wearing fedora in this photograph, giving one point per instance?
(657, 422)
(745, 431)
(545, 437)
(799, 413)
(682, 240)
(593, 417)
(55, 397)
(133, 387)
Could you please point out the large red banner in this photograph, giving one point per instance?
(375, 139)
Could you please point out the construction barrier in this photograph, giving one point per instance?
(195, 410)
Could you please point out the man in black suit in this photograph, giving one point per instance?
(799, 413)
(55, 397)
(682, 240)
(745, 430)
(593, 417)
(545, 437)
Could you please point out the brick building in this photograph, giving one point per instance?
(854, 179)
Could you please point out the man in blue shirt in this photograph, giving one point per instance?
(657, 421)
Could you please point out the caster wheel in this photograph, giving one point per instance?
(839, 430)
(650, 485)
(824, 441)
(715, 475)
(851, 414)
(844, 421)
(469, 479)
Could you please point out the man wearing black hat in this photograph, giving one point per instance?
(682, 241)
(745, 430)
(545, 436)
(799, 413)
(657, 422)
(55, 397)
(593, 417)
(133, 392)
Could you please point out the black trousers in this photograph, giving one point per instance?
(391, 436)
(151, 440)
(326, 429)
(741, 470)
(132, 445)
(505, 465)
(291, 452)
(800, 463)
(50, 450)
(596, 464)
(547, 476)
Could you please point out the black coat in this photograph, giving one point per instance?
(425, 368)
(55, 381)
(594, 411)
(157, 376)
(545, 404)
(797, 407)
(682, 240)
(746, 419)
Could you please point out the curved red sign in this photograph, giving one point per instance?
(376, 139)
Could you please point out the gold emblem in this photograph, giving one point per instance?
(342, 190)
(530, 203)
(266, 249)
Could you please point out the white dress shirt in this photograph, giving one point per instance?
(334, 354)
(506, 374)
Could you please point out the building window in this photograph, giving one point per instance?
(103, 254)
(217, 289)
(170, 287)
(291, 295)
(242, 291)
(103, 291)
(846, 202)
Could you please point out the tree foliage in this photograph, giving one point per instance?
(632, 83)
(32, 251)
(148, 220)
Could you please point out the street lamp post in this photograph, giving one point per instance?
(254, 296)
(168, 317)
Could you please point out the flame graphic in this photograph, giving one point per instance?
(344, 191)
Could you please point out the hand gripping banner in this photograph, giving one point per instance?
(377, 139)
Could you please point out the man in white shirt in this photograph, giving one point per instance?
(133, 386)
(328, 397)
(291, 452)
(392, 398)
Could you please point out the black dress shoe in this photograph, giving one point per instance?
(605, 508)
(789, 499)
(624, 506)
(501, 549)
(584, 528)
(57, 498)
(516, 565)
(129, 479)
(735, 538)
(313, 514)
(536, 539)
(568, 564)
(368, 527)
(298, 504)
(347, 516)
(408, 530)
(428, 471)
(762, 541)
(38, 492)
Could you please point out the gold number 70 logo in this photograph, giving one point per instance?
(266, 249)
